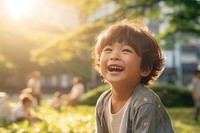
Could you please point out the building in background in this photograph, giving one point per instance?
(181, 62)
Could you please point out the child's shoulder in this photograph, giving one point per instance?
(144, 95)
(105, 95)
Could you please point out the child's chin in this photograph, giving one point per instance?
(114, 81)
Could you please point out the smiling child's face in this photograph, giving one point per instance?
(119, 63)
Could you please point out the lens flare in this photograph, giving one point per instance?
(18, 9)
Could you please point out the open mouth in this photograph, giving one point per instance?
(114, 68)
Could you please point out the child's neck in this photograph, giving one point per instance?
(122, 92)
(119, 97)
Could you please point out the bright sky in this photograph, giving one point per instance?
(47, 10)
(18, 9)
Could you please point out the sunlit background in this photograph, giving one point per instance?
(56, 37)
(20, 8)
(49, 34)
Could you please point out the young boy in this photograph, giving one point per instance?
(129, 59)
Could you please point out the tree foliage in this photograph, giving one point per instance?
(19, 37)
(182, 15)
(71, 51)
(184, 18)
(52, 47)
(5, 64)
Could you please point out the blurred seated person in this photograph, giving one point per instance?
(34, 100)
(76, 93)
(22, 111)
(56, 102)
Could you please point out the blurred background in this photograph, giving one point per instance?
(56, 37)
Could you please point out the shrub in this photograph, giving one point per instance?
(171, 95)
(90, 98)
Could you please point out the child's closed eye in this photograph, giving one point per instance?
(107, 49)
(127, 51)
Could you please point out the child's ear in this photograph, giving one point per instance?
(145, 72)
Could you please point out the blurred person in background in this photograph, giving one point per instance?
(35, 83)
(56, 102)
(22, 111)
(76, 93)
(196, 92)
(30, 92)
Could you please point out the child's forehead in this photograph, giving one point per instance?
(117, 43)
(123, 44)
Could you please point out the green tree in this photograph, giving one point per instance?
(19, 37)
(183, 15)
(5, 65)
(71, 52)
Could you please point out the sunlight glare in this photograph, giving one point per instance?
(18, 9)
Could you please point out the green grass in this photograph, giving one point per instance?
(182, 119)
(81, 120)
(68, 120)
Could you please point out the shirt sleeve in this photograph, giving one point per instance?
(148, 120)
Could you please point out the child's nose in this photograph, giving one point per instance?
(115, 56)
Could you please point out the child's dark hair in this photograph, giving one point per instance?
(57, 94)
(24, 98)
(135, 34)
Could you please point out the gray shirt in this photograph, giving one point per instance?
(146, 113)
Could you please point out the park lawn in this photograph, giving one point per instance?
(81, 120)
(182, 119)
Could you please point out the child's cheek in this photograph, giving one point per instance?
(101, 59)
(102, 63)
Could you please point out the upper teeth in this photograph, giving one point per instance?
(116, 67)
